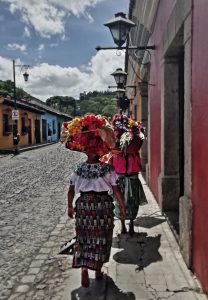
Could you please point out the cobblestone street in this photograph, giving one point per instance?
(33, 221)
(34, 224)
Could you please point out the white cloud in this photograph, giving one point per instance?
(14, 47)
(76, 7)
(26, 32)
(47, 17)
(41, 47)
(6, 69)
(49, 80)
(52, 45)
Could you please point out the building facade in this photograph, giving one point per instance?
(174, 89)
(37, 123)
(51, 121)
(26, 125)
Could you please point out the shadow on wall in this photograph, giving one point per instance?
(98, 288)
(140, 250)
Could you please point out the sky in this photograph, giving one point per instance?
(57, 39)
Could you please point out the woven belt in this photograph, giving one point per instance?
(94, 192)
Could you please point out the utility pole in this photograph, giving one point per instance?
(15, 113)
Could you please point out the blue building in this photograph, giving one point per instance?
(51, 122)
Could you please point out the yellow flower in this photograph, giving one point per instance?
(74, 126)
(131, 122)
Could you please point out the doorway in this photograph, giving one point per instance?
(59, 130)
(29, 132)
(37, 131)
(171, 181)
(44, 129)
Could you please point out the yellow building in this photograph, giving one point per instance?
(28, 123)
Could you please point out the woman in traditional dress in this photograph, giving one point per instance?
(94, 209)
(127, 164)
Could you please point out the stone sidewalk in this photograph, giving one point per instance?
(146, 266)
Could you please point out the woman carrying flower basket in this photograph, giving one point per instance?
(93, 180)
(126, 161)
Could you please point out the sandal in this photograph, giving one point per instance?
(85, 278)
(99, 274)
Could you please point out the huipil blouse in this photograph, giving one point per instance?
(99, 177)
(128, 161)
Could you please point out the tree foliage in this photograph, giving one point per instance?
(93, 102)
(7, 89)
(64, 104)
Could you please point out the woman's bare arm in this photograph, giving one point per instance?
(71, 194)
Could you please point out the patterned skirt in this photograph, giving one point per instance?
(134, 195)
(94, 230)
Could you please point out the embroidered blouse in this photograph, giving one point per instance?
(129, 163)
(98, 177)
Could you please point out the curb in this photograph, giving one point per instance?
(11, 151)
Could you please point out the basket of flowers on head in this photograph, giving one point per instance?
(89, 133)
(125, 129)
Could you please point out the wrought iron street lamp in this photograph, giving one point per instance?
(26, 76)
(15, 113)
(119, 27)
(120, 77)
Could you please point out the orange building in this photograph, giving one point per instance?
(28, 124)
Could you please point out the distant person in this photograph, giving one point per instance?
(16, 140)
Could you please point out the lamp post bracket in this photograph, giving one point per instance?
(98, 48)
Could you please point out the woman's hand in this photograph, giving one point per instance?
(71, 212)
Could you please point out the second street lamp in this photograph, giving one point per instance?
(120, 77)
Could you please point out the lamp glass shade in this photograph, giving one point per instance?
(119, 34)
(120, 76)
(120, 93)
(119, 28)
(26, 75)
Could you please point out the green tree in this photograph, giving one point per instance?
(98, 103)
(7, 89)
(93, 102)
(62, 103)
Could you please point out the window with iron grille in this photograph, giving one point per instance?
(24, 128)
(6, 127)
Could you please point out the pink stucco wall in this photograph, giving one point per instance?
(200, 140)
(199, 96)
(163, 15)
